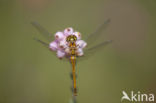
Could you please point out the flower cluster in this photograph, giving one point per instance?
(61, 46)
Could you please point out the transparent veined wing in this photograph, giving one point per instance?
(88, 52)
(93, 37)
(42, 42)
(99, 46)
(48, 36)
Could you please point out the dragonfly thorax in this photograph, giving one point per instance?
(72, 47)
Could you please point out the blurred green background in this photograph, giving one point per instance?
(29, 73)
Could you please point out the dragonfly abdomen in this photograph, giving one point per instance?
(73, 62)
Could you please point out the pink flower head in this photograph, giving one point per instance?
(60, 54)
(61, 46)
(80, 52)
(68, 31)
(81, 43)
(53, 46)
(78, 35)
(59, 36)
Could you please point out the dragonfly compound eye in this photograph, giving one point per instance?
(68, 39)
(75, 38)
(71, 38)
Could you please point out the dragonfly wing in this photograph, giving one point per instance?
(42, 42)
(43, 31)
(91, 38)
(88, 52)
(98, 46)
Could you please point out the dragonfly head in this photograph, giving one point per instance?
(71, 38)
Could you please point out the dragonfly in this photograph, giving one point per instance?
(72, 55)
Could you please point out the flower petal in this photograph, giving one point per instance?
(67, 50)
(81, 43)
(63, 44)
(60, 54)
(53, 46)
(79, 52)
(59, 36)
(78, 35)
(68, 31)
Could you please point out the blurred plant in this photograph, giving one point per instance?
(35, 5)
